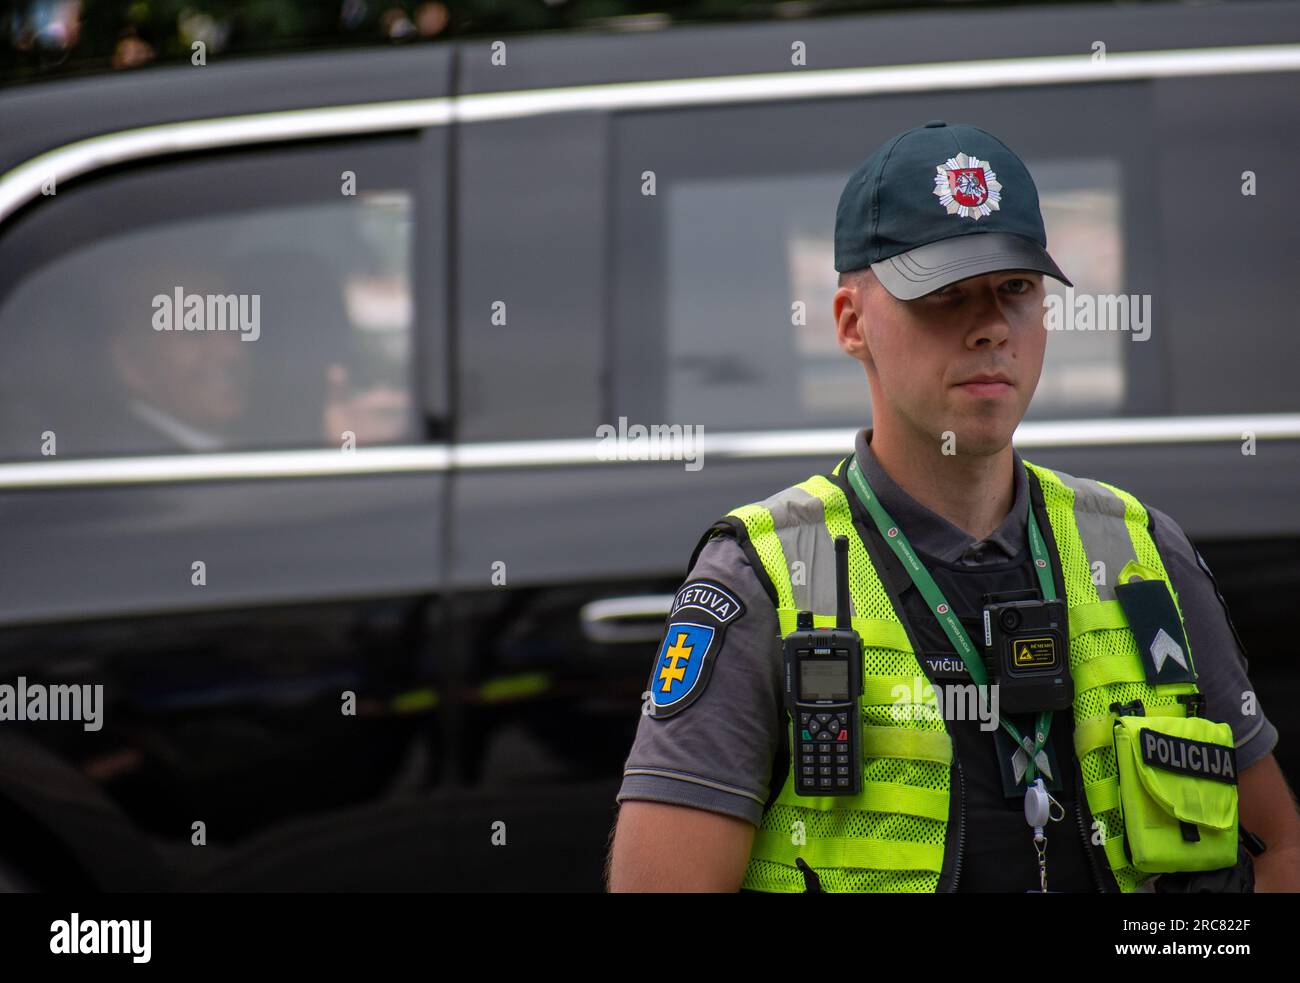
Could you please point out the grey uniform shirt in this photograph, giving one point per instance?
(718, 753)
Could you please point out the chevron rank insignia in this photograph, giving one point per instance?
(1158, 630)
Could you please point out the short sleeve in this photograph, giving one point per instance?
(1216, 650)
(717, 752)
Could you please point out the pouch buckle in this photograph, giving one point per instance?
(1132, 709)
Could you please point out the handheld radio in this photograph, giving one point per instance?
(823, 686)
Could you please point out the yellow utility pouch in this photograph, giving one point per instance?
(1178, 792)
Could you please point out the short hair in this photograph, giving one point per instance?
(858, 278)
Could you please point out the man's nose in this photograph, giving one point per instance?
(990, 326)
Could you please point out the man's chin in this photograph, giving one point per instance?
(984, 438)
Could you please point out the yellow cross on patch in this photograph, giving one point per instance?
(675, 673)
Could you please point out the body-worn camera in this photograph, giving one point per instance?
(1027, 646)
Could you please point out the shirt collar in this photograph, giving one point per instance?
(191, 438)
(932, 534)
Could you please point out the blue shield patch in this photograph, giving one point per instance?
(679, 674)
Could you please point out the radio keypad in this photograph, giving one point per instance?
(823, 751)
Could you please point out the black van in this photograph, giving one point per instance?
(367, 608)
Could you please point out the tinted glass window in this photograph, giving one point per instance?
(720, 340)
(1230, 241)
(211, 305)
(725, 274)
(1083, 371)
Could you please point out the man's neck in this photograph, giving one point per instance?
(974, 493)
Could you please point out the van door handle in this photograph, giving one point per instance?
(638, 618)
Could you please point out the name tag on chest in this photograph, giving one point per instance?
(942, 667)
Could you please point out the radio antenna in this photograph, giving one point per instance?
(842, 582)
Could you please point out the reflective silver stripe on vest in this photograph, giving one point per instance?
(1099, 514)
(800, 521)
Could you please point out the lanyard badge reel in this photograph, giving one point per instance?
(1026, 641)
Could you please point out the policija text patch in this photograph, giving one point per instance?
(1198, 758)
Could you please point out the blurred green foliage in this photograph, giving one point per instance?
(54, 38)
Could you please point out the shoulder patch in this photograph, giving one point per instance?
(697, 622)
(704, 595)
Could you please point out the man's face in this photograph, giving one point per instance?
(927, 359)
(200, 377)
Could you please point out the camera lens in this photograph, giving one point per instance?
(1009, 620)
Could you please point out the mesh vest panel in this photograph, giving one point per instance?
(893, 835)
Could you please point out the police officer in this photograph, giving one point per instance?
(941, 250)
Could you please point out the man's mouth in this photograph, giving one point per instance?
(987, 384)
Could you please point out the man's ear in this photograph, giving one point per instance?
(850, 309)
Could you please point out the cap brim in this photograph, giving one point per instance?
(927, 268)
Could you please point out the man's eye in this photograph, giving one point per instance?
(1018, 286)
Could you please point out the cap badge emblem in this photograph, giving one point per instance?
(967, 186)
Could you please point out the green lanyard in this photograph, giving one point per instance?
(948, 621)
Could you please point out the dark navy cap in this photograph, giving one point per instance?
(937, 204)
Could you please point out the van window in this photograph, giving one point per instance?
(205, 306)
(725, 274)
